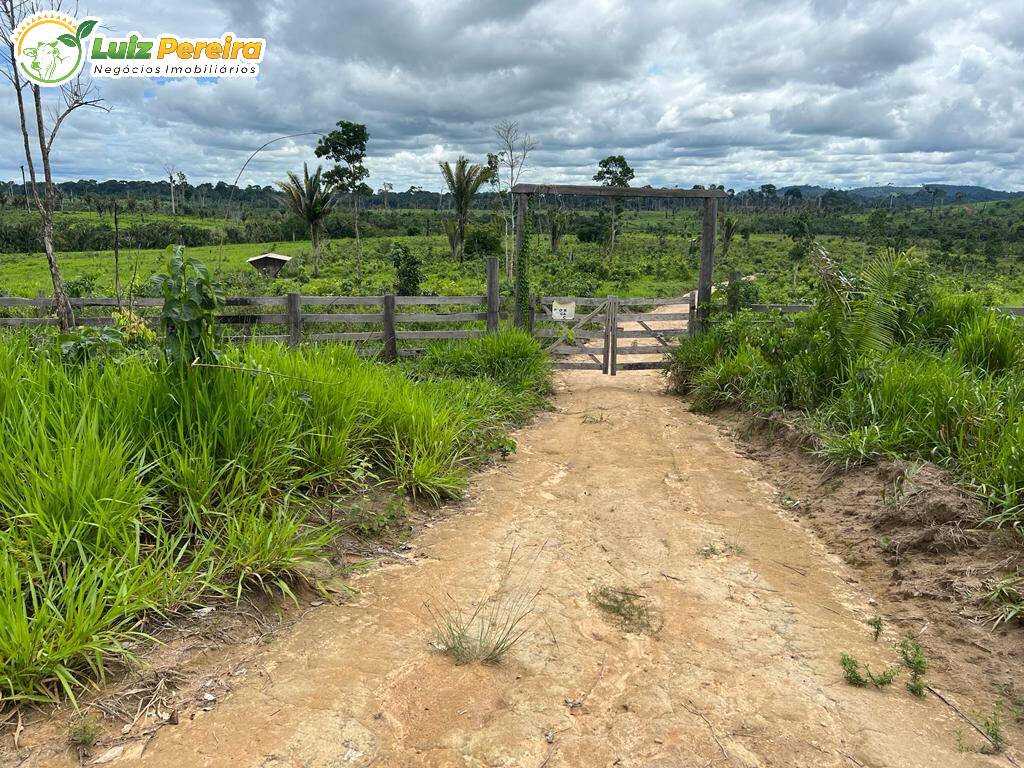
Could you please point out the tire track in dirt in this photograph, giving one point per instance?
(744, 671)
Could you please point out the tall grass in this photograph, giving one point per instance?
(910, 371)
(129, 487)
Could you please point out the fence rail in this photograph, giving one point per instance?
(391, 319)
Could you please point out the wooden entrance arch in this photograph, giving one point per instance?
(522, 193)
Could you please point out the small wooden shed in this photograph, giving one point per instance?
(269, 263)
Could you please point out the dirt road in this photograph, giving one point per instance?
(620, 487)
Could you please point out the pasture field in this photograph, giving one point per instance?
(656, 253)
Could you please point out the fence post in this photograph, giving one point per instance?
(708, 234)
(692, 322)
(734, 291)
(613, 346)
(521, 203)
(294, 319)
(390, 340)
(532, 316)
(607, 356)
(493, 299)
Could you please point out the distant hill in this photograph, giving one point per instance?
(954, 193)
(873, 193)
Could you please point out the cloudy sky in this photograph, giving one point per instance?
(830, 92)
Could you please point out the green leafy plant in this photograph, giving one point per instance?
(876, 627)
(522, 266)
(188, 317)
(913, 658)
(85, 343)
(992, 725)
(860, 676)
(407, 270)
(84, 731)
(1007, 595)
(135, 332)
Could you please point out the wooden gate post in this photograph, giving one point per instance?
(534, 301)
(613, 329)
(691, 323)
(294, 319)
(521, 203)
(493, 300)
(390, 351)
(709, 232)
(606, 362)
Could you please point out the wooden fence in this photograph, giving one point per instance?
(387, 321)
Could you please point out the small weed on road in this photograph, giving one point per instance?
(861, 677)
(913, 659)
(630, 610)
(485, 633)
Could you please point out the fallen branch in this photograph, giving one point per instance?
(693, 711)
(970, 722)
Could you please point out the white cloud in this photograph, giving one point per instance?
(817, 91)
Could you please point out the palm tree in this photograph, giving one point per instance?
(463, 182)
(309, 199)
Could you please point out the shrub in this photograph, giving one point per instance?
(191, 300)
(407, 270)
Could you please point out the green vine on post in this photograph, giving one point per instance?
(523, 269)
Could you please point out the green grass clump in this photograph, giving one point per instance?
(992, 726)
(129, 487)
(628, 608)
(990, 342)
(887, 364)
(486, 633)
(511, 358)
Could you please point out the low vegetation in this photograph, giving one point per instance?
(486, 632)
(629, 609)
(916, 663)
(135, 481)
(885, 364)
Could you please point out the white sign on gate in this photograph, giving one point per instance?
(563, 310)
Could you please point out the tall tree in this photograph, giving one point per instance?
(310, 199)
(346, 146)
(514, 148)
(614, 171)
(72, 95)
(464, 181)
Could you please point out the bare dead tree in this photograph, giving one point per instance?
(72, 96)
(514, 147)
(172, 173)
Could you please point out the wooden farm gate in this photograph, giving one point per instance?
(589, 333)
